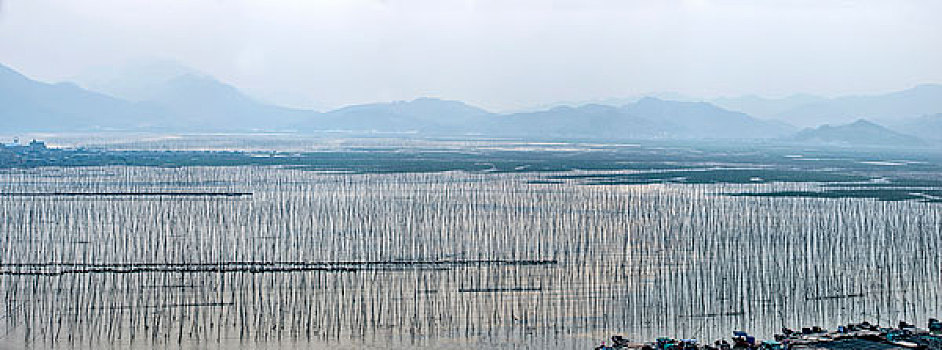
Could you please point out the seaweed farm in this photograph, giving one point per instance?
(286, 257)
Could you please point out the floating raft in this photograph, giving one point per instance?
(860, 336)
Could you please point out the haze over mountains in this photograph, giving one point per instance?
(184, 102)
(762, 107)
(172, 98)
(26, 104)
(420, 115)
(927, 127)
(911, 103)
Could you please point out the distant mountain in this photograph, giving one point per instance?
(185, 102)
(199, 102)
(135, 81)
(765, 107)
(138, 80)
(704, 120)
(423, 114)
(915, 102)
(858, 133)
(587, 121)
(26, 104)
(647, 118)
(611, 101)
(928, 127)
(179, 99)
(190, 100)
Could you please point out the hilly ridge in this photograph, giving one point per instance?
(859, 133)
(178, 99)
(704, 120)
(585, 121)
(27, 104)
(422, 114)
(202, 102)
(186, 102)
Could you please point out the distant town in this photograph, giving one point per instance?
(17, 154)
(32, 146)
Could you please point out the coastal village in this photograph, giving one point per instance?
(18, 153)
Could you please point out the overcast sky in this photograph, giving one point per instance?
(498, 54)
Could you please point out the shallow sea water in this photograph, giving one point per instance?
(439, 260)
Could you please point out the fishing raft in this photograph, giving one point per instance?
(858, 336)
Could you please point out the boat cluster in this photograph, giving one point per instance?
(851, 336)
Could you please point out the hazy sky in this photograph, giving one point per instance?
(498, 54)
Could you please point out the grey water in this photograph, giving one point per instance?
(322, 260)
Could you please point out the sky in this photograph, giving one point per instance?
(501, 54)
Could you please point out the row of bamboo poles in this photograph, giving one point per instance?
(423, 260)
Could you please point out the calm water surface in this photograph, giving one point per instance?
(441, 260)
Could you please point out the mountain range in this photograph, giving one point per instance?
(184, 102)
(26, 104)
(428, 115)
(169, 98)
